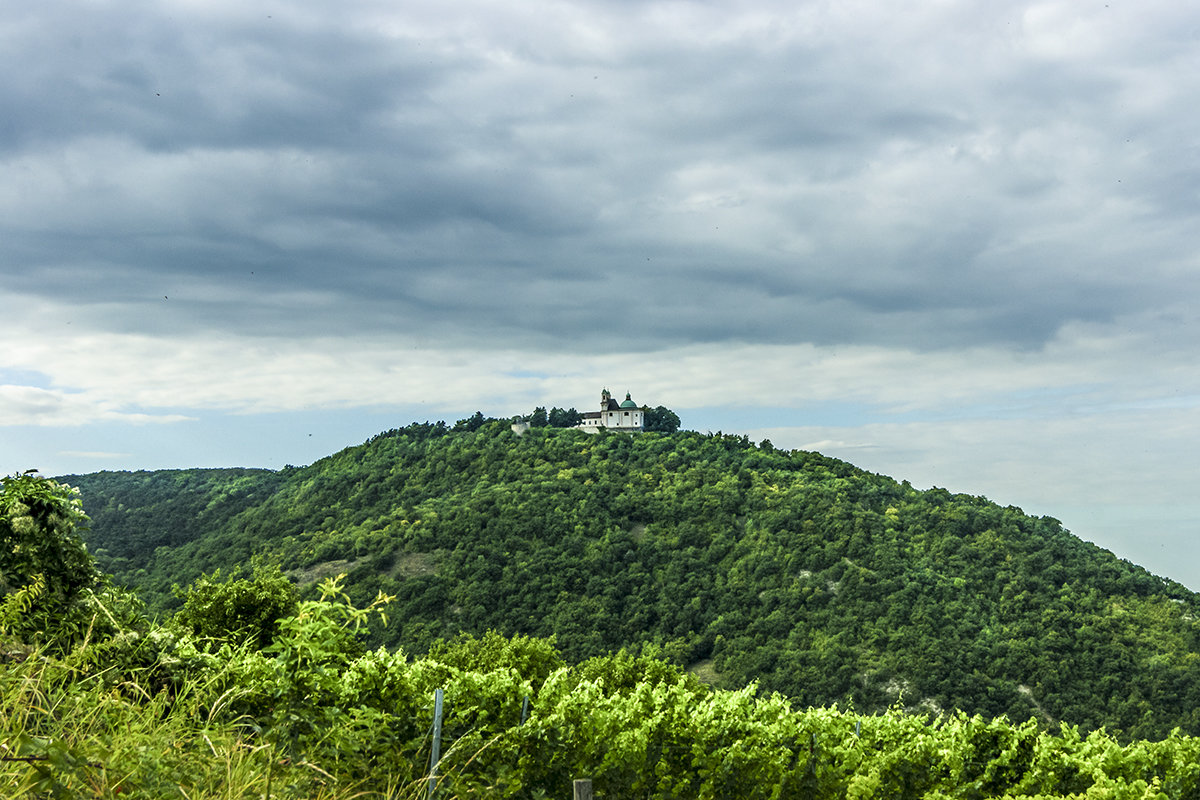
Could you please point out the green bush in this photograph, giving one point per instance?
(533, 658)
(237, 609)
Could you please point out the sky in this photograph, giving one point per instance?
(953, 241)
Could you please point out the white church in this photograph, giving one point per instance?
(613, 416)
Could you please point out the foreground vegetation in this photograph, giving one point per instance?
(307, 720)
(249, 692)
(791, 569)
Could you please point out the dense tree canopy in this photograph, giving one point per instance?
(743, 562)
(686, 547)
(471, 423)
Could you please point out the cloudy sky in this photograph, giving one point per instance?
(952, 241)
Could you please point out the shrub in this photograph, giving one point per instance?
(237, 609)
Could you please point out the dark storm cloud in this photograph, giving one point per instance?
(173, 81)
(532, 177)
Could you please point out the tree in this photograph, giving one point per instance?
(660, 419)
(538, 418)
(471, 423)
(45, 569)
(564, 417)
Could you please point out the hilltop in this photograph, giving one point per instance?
(740, 561)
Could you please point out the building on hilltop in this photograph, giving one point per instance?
(613, 416)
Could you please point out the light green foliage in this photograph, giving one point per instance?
(620, 672)
(535, 659)
(15, 608)
(297, 678)
(69, 734)
(316, 716)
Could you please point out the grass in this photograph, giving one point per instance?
(71, 732)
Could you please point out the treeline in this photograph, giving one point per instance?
(656, 420)
(740, 561)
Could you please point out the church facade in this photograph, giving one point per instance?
(613, 416)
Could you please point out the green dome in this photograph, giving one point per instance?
(628, 403)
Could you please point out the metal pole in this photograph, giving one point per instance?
(435, 753)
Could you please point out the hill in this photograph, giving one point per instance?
(818, 579)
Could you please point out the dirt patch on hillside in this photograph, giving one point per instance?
(413, 565)
(321, 571)
(705, 671)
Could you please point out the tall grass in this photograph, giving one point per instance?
(74, 731)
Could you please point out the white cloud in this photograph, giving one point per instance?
(93, 454)
(29, 405)
(1087, 368)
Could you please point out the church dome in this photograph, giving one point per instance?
(628, 402)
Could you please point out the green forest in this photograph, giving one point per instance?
(737, 561)
(250, 690)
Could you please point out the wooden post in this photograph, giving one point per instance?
(583, 789)
(435, 753)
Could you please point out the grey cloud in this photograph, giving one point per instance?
(822, 183)
(173, 82)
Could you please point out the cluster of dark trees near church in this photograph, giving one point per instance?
(740, 560)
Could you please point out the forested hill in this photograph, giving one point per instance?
(818, 579)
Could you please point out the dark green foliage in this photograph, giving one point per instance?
(746, 562)
(471, 423)
(660, 419)
(135, 513)
(237, 609)
(564, 418)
